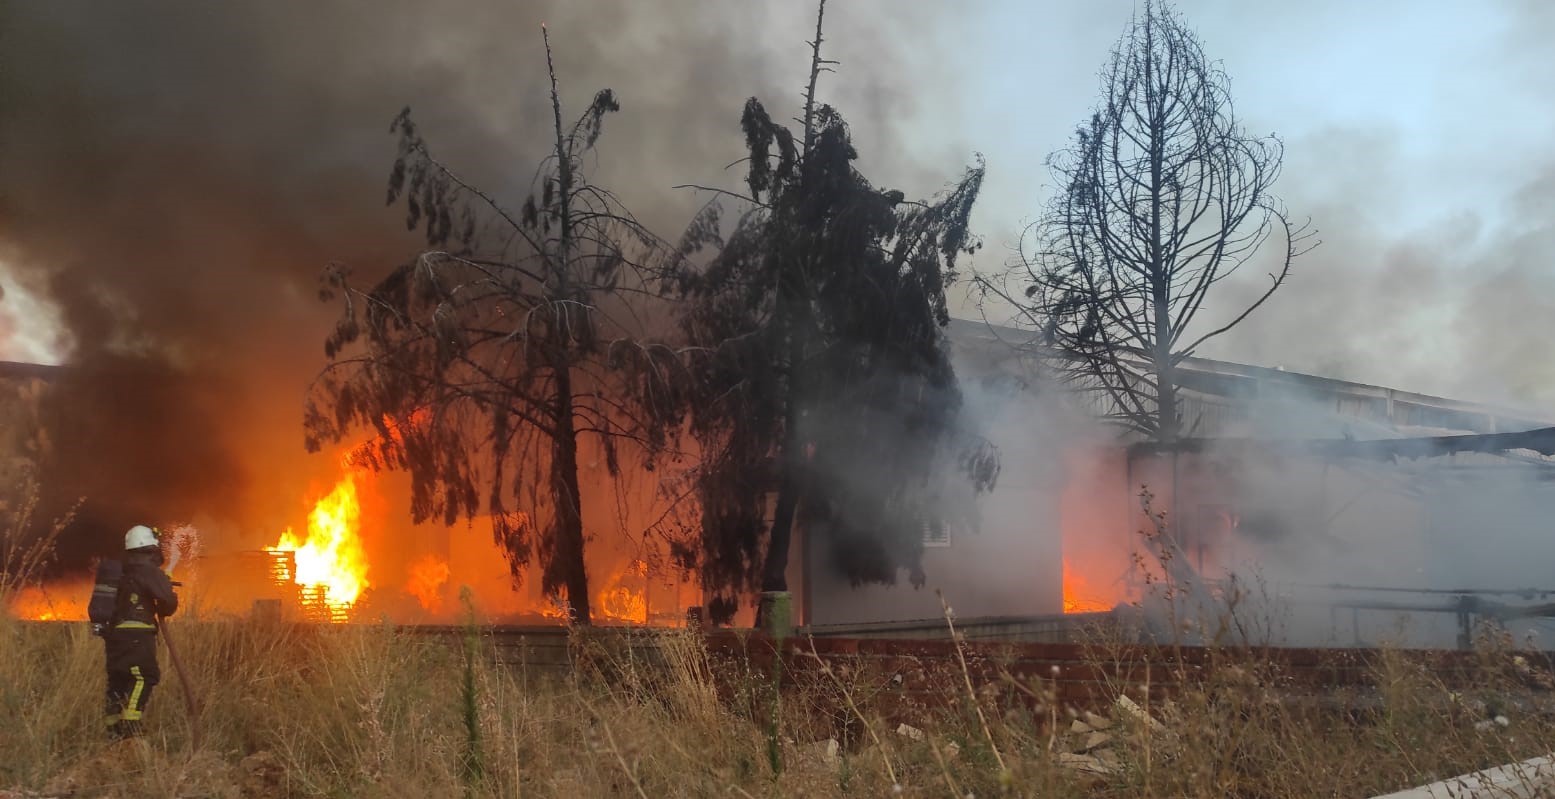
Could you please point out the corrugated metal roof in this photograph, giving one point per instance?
(1217, 397)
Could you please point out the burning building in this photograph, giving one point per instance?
(1333, 512)
(1288, 491)
(325, 540)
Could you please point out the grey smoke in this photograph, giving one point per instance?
(176, 176)
(1461, 306)
(1434, 274)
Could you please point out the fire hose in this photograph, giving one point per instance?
(191, 702)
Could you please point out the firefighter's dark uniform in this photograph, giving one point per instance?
(144, 594)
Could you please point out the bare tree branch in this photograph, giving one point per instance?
(1161, 197)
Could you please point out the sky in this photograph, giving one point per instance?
(1417, 140)
(1430, 79)
(173, 178)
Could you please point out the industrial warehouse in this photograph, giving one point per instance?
(1349, 515)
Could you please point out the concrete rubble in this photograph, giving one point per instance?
(1090, 743)
(1092, 764)
(1526, 779)
(827, 751)
(1132, 709)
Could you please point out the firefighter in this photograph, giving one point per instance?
(145, 594)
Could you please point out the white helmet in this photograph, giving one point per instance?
(140, 536)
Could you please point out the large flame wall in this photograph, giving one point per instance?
(374, 563)
(351, 554)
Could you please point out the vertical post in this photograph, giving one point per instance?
(1128, 502)
(776, 614)
(805, 593)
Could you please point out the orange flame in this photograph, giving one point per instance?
(623, 602)
(428, 576)
(1080, 596)
(331, 557)
(56, 602)
(554, 607)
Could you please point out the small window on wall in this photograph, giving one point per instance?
(936, 534)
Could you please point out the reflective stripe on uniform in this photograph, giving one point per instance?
(134, 625)
(132, 707)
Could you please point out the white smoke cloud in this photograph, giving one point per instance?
(29, 327)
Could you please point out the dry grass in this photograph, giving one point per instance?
(304, 711)
(376, 712)
(299, 711)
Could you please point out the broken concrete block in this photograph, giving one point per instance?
(1085, 763)
(909, 731)
(827, 751)
(1132, 709)
(1096, 721)
(1080, 728)
(1094, 741)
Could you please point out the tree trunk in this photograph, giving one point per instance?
(568, 558)
(1161, 277)
(774, 571)
(1166, 385)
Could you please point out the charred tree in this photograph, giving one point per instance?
(825, 393)
(1161, 197)
(490, 359)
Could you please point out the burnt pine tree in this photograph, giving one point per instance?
(487, 362)
(824, 391)
(1161, 197)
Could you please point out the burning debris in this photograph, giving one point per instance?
(622, 602)
(330, 562)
